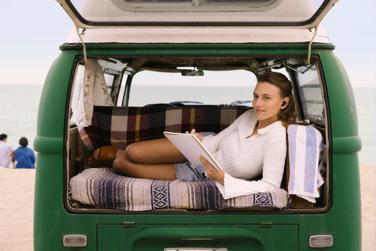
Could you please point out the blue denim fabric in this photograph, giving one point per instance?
(185, 172)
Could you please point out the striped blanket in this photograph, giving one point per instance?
(101, 188)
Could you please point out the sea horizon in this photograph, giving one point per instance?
(17, 120)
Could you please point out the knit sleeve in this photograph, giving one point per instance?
(274, 162)
(274, 159)
(211, 142)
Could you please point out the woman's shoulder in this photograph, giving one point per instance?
(249, 115)
(278, 130)
(247, 118)
(275, 130)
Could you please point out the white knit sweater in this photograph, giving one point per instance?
(243, 157)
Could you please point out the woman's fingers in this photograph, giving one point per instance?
(208, 167)
(198, 135)
(212, 172)
(204, 161)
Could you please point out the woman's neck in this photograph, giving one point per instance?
(266, 122)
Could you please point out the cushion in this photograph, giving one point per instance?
(105, 153)
(102, 188)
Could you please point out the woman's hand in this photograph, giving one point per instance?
(212, 172)
(198, 135)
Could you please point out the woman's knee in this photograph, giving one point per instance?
(133, 152)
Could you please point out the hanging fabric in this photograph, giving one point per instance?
(94, 92)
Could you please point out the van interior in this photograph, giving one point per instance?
(133, 99)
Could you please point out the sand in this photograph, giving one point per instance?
(368, 189)
(17, 195)
(16, 209)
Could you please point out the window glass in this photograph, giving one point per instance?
(271, 12)
(77, 85)
(310, 93)
(109, 78)
(120, 97)
(184, 5)
(214, 87)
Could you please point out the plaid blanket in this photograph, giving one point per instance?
(101, 188)
(120, 126)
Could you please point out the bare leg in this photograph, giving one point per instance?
(157, 151)
(151, 159)
(124, 166)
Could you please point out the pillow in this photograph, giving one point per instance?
(105, 153)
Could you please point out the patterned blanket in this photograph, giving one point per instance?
(101, 188)
(120, 126)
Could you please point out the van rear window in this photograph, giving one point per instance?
(310, 93)
(200, 87)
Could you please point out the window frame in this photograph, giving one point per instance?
(327, 193)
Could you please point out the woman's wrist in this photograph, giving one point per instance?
(221, 178)
(218, 176)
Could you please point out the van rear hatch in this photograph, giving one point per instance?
(254, 13)
(265, 236)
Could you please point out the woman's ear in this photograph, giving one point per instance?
(285, 103)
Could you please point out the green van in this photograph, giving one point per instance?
(136, 68)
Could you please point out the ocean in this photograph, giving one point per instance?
(19, 111)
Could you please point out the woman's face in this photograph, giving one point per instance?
(267, 102)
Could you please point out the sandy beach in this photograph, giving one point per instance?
(17, 195)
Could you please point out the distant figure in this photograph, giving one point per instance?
(5, 151)
(23, 155)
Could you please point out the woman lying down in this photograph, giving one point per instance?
(254, 144)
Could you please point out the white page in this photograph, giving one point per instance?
(191, 147)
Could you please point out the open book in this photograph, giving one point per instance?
(191, 147)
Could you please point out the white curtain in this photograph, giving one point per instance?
(94, 92)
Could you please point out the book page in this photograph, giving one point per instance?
(191, 147)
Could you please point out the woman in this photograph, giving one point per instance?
(254, 143)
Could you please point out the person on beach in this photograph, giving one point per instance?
(5, 151)
(254, 144)
(24, 156)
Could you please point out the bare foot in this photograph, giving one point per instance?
(115, 165)
(120, 153)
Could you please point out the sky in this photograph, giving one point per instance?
(33, 30)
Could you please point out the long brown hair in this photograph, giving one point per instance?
(288, 114)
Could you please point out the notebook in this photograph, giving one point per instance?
(191, 147)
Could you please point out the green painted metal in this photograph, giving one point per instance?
(48, 144)
(246, 237)
(264, 230)
(345, 145)
(349, 144)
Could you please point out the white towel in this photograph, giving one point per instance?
(305, 146)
